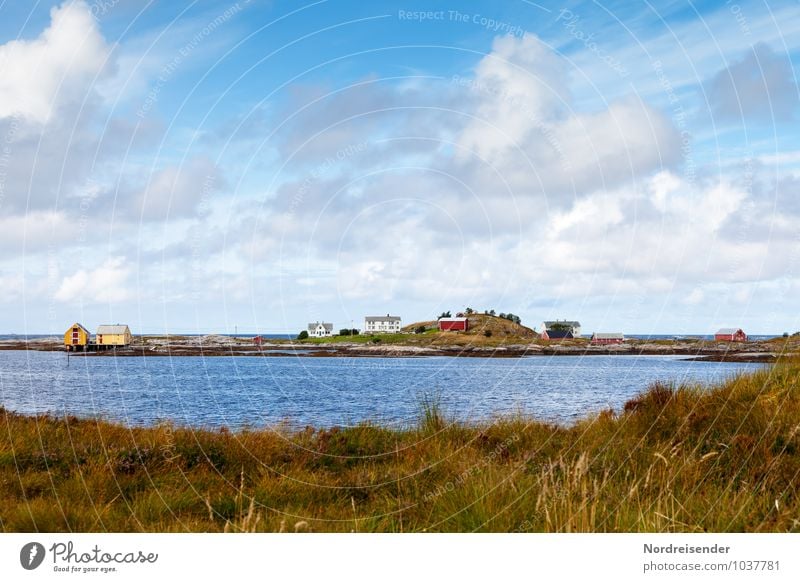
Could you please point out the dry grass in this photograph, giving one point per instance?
(676, 459)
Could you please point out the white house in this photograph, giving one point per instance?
(382, 324)
(573, 326)
(320, 329)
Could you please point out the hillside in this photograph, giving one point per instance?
(478, 325)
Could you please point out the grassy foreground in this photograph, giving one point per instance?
(686, 459)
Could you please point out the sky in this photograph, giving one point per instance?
(253, 166)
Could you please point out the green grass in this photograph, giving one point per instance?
(388, 338)
(686, 459)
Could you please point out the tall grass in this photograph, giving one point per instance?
(677, 458)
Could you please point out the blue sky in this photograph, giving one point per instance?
(195, 167)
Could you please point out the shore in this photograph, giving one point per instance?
(410, 345)
(676, 459)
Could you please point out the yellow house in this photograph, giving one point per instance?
(76, 337)
(113, 335)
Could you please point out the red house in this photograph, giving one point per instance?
(453, 324)
(730, 334)
(605, 339)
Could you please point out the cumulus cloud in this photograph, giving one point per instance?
(107, 283)
(40, 75)
(178, 191)
(525, 126)
(761, 85)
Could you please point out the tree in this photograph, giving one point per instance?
(469, 311)
(444, 314)
(492, 312)
(302, 335)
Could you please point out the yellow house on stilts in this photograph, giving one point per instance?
(113, 336)
(76, 338)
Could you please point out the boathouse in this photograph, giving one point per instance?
(76, 338)
(113, 336)
(604, 339)
(453, 324)
(730, 334)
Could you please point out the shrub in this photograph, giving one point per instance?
(487, 332)
(302, 335)
(419, 329)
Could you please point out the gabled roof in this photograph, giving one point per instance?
(377, 318)
(452, 319)
(112, 329)
(314, 326)
(728, 331)
(608, 336)
(86, 331)
(560, 334)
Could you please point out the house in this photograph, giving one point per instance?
(382, 324)
(113, 336)
(607, 338)
(320, 329)
(453, 324)
(556, 334)
(573, 326)
(730, 334)
(76, 337)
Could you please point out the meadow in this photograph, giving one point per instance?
(684, 458)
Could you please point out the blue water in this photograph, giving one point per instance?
(259, 391)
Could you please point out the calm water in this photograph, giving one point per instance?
(256, 391)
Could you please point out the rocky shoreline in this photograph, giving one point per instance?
(216, 345)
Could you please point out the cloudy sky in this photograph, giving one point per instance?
(211, 166)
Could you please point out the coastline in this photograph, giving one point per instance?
(766, 351)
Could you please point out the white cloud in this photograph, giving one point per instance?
(59, 66)
(524, 126)
(761, 85)
(108, 283)
(178, 191)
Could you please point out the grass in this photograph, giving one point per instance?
(686, 459)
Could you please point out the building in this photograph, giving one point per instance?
(453, 324)
(320, 329)
(556, 334)
(573, 326)
(607, 338)
(76, 337)
(730, 334)
(382, 324)
(113, 336)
